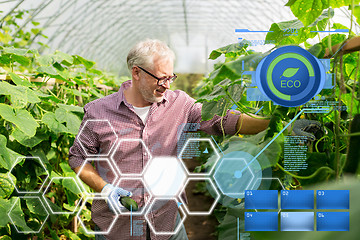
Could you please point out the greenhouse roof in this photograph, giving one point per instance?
(104, 31)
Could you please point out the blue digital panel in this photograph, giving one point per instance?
(332, 199)
(297, 221)
(297, 199)
(261, 199)
(332, 221)
(261, 221)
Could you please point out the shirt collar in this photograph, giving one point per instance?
(125, 85)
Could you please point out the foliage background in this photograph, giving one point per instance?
(41, 100)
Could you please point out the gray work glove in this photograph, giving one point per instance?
(305, 127)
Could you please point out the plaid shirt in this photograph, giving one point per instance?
(160, 135)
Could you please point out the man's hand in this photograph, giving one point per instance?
(112, 197)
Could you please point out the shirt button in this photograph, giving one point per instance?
(145, 153)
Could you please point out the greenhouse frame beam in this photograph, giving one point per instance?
(52, 18)
(32, 16)
(98, 23)
(185, 22)
(61, 29)
(12, 10)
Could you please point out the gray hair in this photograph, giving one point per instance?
(143, 53)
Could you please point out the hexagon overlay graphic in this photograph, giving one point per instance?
(164, 229)
(124, 154)
(35, 204)
(28, 168)
(104, 130)
(139, 191)
(195, 151)
(83, 205)
(164, 176)
(66, 182)
(189, 187)
(105, 169)
(231, 179)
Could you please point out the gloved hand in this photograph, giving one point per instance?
(305, 127)
(112, 197)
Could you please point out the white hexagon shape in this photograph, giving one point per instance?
(41, 205)
(101, 127)
(26, 158)
(137, 192)
(158, 203)
(189, 150)
(164, 176)
(82, 223)
(103, 171)
(70, 180)
(118, 153)
(233, 177)
(269, 178)
(214, 189)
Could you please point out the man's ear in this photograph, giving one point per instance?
(135, 73)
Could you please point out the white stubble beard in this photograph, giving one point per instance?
(147, 94)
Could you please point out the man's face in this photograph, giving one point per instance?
(150, 91)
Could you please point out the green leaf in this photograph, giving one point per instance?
(70, 185)
(294, 32)
(290, 2)
(54, 125)
(5, 38)
(5, 160)
(6, 187)
(60, 56)
(80, 60)
(357, 13)
(21, 59)
(235, 48)
(20, 81)
(335, 39)
(7, 156)
(317, 50)
(72, 121)
(45, 60)
(17, 215)
(71, 108)
(5, 205)
(16, 51)
(289, 72)
(19, 95)
(307, 11)
(210, 109)
(20, 117)
(27, 141)
(49, 70)
(35, 206)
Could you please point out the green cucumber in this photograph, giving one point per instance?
(129, 203)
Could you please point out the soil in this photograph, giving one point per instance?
(199, 227)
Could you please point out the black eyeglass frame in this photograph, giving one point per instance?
(170, 79)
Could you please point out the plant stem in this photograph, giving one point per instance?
(241, 108)
(351, 134)
(354, 84)
(305, 177)
(337, 122)
(351, 17)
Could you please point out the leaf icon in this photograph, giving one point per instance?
(289, 72)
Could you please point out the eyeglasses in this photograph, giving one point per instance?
(160, 81)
